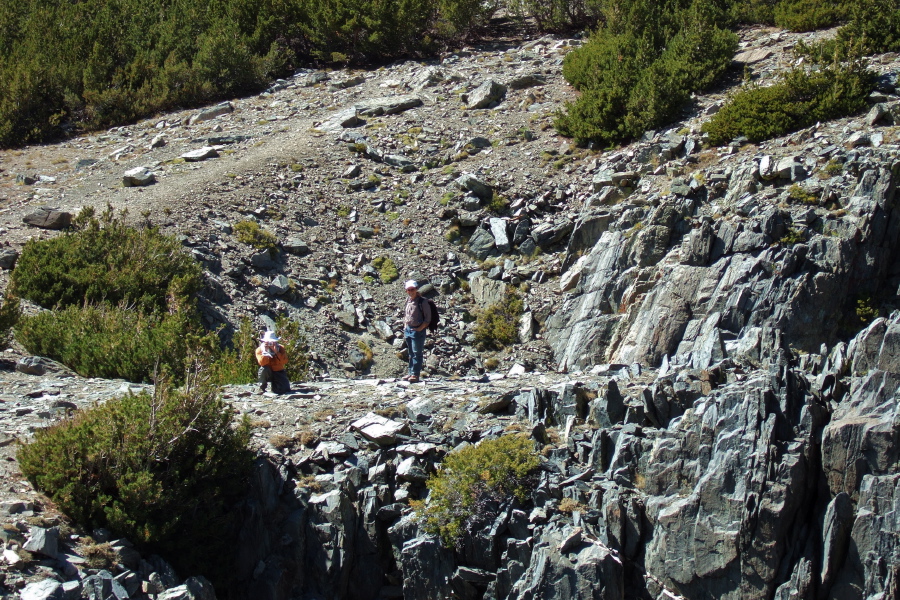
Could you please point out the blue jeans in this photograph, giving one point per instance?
(415, 343)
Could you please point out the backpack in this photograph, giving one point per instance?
(435, 315)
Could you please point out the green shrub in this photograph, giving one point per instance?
(99, 340)
(791, 237)
(107, 261)
(866, 310)
(873, 26)
(162, 470)
(123, 298)
(9, 316)
(798, 193)
(368, 355)
(250, 233)
(497, 326)
(799, 100)
(387, 270)
(237, 364)
(473, 479)
(807, 15)
(833, 168)
(753, 12)
(552, 15)
(497, 204)
(637, 71)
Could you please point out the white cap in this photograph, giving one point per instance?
(411, 285)
(269, 336)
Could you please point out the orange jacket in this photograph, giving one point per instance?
(276, 363)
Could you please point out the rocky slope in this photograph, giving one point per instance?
(709, 361)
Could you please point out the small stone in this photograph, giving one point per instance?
(486, 94)
(470, 183)
(295, 245)
(573, 540)
(31, 365)
(43, 541)
(8, 258)
(378, 429)
(280, 285)
(262, 260)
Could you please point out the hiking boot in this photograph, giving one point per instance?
(412, 379)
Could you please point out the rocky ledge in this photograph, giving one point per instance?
(730, 481)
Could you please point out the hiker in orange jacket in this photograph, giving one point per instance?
(272, 359)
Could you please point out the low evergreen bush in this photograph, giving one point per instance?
(123, 300)
(101, 340)
(163, 470)
(9, 316)
(105, 260)
(387, 269)
(808, 15)
(802, 98)
(638, 70)
(477, 480)
(873, 26)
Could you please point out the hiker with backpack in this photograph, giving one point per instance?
(416, 318)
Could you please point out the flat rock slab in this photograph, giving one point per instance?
(748, 57)
(341, 119)
(48, 589)
(391, 105)
(48, 218)
(200, 154)
(380, 430)
(211, 113)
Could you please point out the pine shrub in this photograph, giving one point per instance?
(477, 480)
(123, 300)
(497, 326)
(101, 340)
(163, 470)
(873, 26)
(802, 98)
(106, 261)
(9, 316)
(637, 71)
(807, 15)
